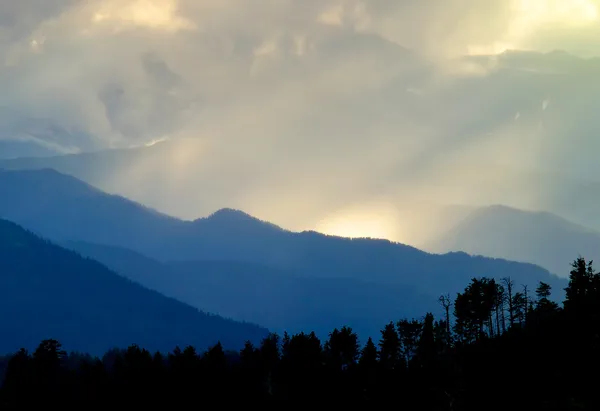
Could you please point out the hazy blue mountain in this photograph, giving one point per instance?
(325, 272)
(552, 187)
(50, 292)
(64, 208)
(91, 167)
(61, 207)
(541, 238)
(279, 299)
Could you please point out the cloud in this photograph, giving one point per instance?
(301, 108)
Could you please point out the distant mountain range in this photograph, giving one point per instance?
(541, 238)
(50, 292)
(246, 268)
(111, 171)
(280, 299)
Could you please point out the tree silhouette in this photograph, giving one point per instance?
(426, 349)
(48, 369)
(546, 361)
(342, 348)
(509, 284)
(446, 303)
(409, 333)
(389, 347)
(580, 292)
(368, 355)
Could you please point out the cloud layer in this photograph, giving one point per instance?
(298, 110)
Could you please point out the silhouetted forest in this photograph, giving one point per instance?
(498, 346)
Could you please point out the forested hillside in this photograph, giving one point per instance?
(50, 292)
(498, 347)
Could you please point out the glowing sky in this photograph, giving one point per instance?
(348, 116)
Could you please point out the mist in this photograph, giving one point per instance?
(357, 118)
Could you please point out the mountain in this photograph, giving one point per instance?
(145, 174)
(61, 207)
(91, 167)
(284, 299)
(540, 238)
(47, 291)
(306, 273)
(279, 299)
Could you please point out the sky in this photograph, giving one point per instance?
(346, 116)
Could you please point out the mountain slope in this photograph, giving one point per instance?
(284, 300)
(49, 292)
(537, 237)
(276, 298)
(82, 213)
(62, 207)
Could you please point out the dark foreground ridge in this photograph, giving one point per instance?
(505, 347)
(50, 292)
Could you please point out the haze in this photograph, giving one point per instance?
(356, 118)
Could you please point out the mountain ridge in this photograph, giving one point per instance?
(54, 292)
(538, 237)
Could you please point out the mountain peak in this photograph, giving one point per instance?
(230, 213)
(228, 217)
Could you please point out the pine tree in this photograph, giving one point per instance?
(389, 347)
(409, 333)
(342, 348)
(426, 348)
(368, 355)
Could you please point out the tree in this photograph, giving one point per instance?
(18, 381)
(368, 368)
(543, 291)
(49, 355)
(473, 309)
(442, 339)
(446, 304)
(214, 358)
(269, 351)
(48, 367)
(303, 351)
(519, 307)
(499, 308)
(527, 302)
(409, 333)
(508, 283)
(301, 367)
(368, 355)
(249, 355)
(426, 348)
(342, 348)
(389, 347)
(285, 343)
(490, 300)
(250, 376)
(269, 359)
(579, 290)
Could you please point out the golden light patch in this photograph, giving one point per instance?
(374, 221)
(529, 16)
(332, 16)
(156, 14)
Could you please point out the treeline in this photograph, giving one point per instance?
(498, 346)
